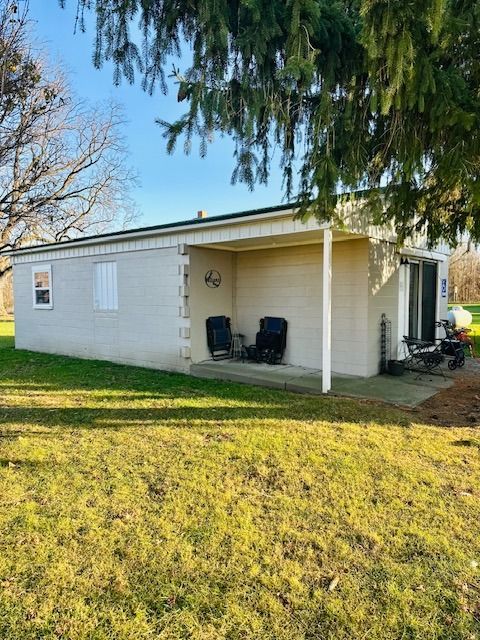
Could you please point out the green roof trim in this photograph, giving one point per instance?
(181, 223)
(159, 227)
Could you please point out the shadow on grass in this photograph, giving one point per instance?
(468, 442)
(189, 402)
(17, 462)
(219, 416)
(217, 403)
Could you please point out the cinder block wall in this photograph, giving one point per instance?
(287, 282)
(145, 329)
(383, 297)
(154, 292)
(207, 301)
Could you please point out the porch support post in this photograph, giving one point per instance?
(327, 312)
(403, 298)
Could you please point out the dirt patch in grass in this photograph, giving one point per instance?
(457, 406)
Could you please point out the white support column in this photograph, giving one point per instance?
(327, 312)
(403, 297)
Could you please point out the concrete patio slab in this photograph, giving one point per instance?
(407, 390)
(260, 374)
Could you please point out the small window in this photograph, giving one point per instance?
(42, 287)
(105, 286)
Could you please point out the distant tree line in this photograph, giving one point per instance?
(464, 275)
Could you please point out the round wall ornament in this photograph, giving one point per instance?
(213, 279)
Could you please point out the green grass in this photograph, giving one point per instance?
(140, 505)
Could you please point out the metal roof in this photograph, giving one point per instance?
(160, 227)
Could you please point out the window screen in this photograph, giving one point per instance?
(105, 286)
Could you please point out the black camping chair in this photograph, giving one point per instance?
(219, 337)
(270, 342)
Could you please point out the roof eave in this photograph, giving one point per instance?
(118, 236)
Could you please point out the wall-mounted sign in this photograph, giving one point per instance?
(213, 279)
(444, 288)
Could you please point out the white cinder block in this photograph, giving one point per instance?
(183, 291)
(185, 352)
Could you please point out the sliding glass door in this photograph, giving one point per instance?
(429, 300)
(422, 300)
(413, 300)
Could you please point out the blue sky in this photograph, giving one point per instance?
(171, 187)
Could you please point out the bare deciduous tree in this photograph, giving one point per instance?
(62, 162)
(464, 274)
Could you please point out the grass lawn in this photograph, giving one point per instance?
(140, 505)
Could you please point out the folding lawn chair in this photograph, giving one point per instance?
(270, 341)
(219, 337)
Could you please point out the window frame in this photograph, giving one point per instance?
(420, 262)
(38, 269)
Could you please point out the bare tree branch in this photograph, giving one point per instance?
(464, 274)
(62, 162)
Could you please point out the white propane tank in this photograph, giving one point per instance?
(459, 317)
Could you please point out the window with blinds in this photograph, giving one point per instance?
(105, 286)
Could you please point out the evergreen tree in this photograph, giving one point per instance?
(364, 94)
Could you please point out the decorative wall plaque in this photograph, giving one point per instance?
(213, 279)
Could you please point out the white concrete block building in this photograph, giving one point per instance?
(142, 296)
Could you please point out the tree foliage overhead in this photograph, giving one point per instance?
(360, 94)
(62, 162)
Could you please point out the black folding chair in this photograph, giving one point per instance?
(423, 356)
(219, 337)
(270, 341)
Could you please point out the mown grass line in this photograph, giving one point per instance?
(136, 504)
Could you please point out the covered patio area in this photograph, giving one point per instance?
(294, 274)
(331, 287)
(406, 391)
